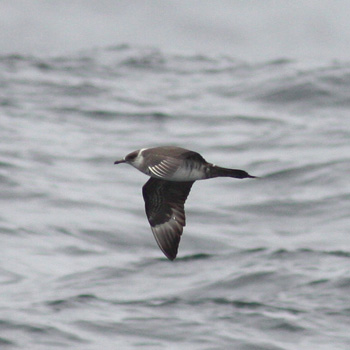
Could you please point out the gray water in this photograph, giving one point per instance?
(263, 264)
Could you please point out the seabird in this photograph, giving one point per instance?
(172, 171)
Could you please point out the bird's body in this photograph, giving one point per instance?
(173, 170)
(169, 163)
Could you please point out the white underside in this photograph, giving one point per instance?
(184, 174)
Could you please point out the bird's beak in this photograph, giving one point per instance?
(119, 161)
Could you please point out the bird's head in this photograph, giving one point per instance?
(130, 158)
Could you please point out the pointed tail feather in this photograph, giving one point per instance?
(217, 171)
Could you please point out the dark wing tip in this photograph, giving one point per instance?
(168, 237)
(172, 252)
(170, 256)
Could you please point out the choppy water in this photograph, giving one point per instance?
(263, 264)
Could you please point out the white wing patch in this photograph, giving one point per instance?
(164, 169)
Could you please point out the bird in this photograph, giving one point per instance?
(172, 171)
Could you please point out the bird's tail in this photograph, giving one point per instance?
(216, 171)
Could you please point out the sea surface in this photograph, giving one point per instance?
(263, 264)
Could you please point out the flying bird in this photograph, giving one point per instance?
(172, 171)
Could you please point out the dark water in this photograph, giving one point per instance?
(263, 264)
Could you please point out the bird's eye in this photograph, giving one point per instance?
(131, 156)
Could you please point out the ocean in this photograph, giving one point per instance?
(263, 264)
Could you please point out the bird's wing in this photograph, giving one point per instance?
(164, 167)
(164, 202)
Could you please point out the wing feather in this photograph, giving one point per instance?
(164, 204)
(164, 168)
